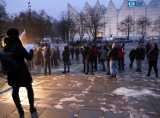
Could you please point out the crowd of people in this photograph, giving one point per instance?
(110, 57)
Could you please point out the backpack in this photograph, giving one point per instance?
(8, 61)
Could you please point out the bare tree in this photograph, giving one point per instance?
(142, 24)
(94, 21)
(36, 25)
(66, 27)
(80, 25)
(126, 26)
(62, 28)
(72, 29)
(156, 25)
(4, 18)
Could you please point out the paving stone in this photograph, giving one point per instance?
(154, 101)
(6, 109)
(142, 106)
(98, 88)
(54, 113)
(115, 115)
(157, 108)
(94, 96)
(90, 114)
(154, 116)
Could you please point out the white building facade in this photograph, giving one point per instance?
(114, 16)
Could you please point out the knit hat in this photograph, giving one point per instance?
(12, 32)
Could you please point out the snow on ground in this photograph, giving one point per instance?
(134, 93)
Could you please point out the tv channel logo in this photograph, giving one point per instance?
(135, 4)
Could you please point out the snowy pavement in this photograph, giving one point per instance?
(76, 95)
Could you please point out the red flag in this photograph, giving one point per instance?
(23, 35)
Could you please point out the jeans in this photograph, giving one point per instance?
(121, 63)
(91, 66)
(103, 65)
(86, 66)
(131, 62)
(108, 67)
(66, 65)
(47, 65)
(113, 67)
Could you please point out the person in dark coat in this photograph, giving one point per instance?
(103, 57)
(94, 51)
(139, 56)
(91, 63)
(56, 56)
(72, 52)
(152, 58)
(77, 52)
(66, 59)
(20, 77)
(86, 55)
(131, 57)
(107, 58)
(147, 49)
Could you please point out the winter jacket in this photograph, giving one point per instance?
(21, 76)
(113, 54)
(103, 54)
(86, 54)
(140, 54)
(121, 53)
(66, 54)
(153, 54)
(46, 53)
(132, 54)
(38, 57)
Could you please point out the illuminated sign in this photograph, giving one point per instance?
(100, 34)
(135, 4)
(131, 3)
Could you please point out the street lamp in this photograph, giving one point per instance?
(29, 6)
(29, 19)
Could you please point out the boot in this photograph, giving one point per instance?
(156, 72)
(108, 73)
(148, 74)
(21, 113)
(33, 113)
(156, 75)
(32, 110)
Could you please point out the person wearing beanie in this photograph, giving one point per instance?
(152, 59)
(20, 77)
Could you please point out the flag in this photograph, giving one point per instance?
(23, 35)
